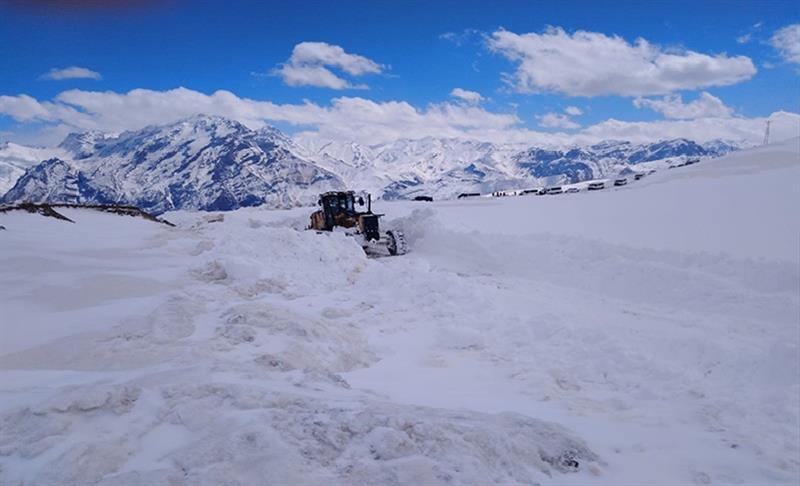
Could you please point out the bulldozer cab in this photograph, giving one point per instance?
(339, 209)
(338, 202)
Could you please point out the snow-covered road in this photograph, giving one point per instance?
(642, 335)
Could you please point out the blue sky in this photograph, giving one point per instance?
(423, 51)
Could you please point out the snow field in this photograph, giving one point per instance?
(625, 332)
(233, 375)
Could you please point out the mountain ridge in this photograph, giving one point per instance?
(214, 163)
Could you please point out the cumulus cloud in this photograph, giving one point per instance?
(573, 111)
(594, 64)
(356, 119)
(311, 62)
(672, 106)
(556, 120)
(787, 42)
(472, 97)
(72, 72)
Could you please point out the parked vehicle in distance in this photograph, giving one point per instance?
(692, 161)
(423, 198)
(596, 186)
(468, 194)
(571, 190)
(651, 172)
(554, 190)
(538, 191)
(620, 182)
(638, 176)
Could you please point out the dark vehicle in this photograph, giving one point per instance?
(554, 190)
(638, 176)
(692, 161)
(539, 191)
(338, 210)
(596, 186)
(468, 194)
(423, 198)
(620, 182)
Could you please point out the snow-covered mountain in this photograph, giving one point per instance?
(213, 163)
(446, 167)
(206, 163)
(84, 144)
(612, 157)
(53, 180)
(15, 159)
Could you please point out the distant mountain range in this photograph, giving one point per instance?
(213, 163)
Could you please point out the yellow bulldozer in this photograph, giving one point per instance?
(338, 210)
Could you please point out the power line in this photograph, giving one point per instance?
(766, 133)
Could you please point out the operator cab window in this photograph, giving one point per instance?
(346, 204)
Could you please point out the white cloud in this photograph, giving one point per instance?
(318, 76)
(556, 120)
(573, 111)
(310, 62)
(672, 106)
(72, 72)
(353, 118)
(472, 97)
(24, 108)
(784, 125)
(744, 39)
(787, 42)
(594, 64)
(344, 118)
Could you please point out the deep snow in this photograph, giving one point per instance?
(649, 333)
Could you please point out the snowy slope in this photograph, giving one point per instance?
(648, 333)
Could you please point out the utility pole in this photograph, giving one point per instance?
(766, 134)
